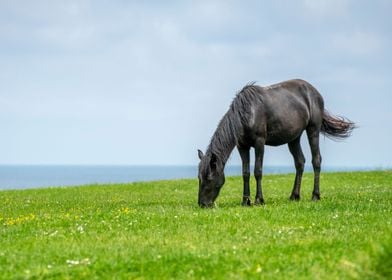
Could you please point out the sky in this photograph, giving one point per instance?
(146, 82)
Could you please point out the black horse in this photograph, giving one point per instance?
(273, 115)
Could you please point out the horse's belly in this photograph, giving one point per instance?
(284, 130)
(277, 140)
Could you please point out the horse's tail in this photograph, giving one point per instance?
(336, 127)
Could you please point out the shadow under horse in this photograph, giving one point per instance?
(272, 115)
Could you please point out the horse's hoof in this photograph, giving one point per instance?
(246, 202)
(295, 197)
(259, 201)
(316, 197)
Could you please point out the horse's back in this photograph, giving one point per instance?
(287, 109)
(294, 94)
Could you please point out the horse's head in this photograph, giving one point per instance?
(211, 178)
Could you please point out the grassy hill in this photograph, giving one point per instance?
(156, 230)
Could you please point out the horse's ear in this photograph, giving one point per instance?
(213, 162)
(200, 153)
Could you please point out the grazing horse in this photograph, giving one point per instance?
(272, 115)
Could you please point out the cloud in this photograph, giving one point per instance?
(358, 43)
(326, 8)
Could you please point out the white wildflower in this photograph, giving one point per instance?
(72, 262)
(85, 261)
(80, 229)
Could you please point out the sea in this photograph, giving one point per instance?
(41, 176)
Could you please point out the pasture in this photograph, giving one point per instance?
(155, 230)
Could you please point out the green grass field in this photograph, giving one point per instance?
(155, 230)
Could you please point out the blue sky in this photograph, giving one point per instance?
(125, 82)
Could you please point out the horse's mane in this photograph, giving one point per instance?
(231, 125)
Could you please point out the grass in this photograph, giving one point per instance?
(155, 230)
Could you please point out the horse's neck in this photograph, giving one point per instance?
(223, 141)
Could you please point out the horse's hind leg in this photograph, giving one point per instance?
(299, 161)
(313, 137)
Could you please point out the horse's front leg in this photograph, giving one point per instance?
(259, 154)
(244, 153)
